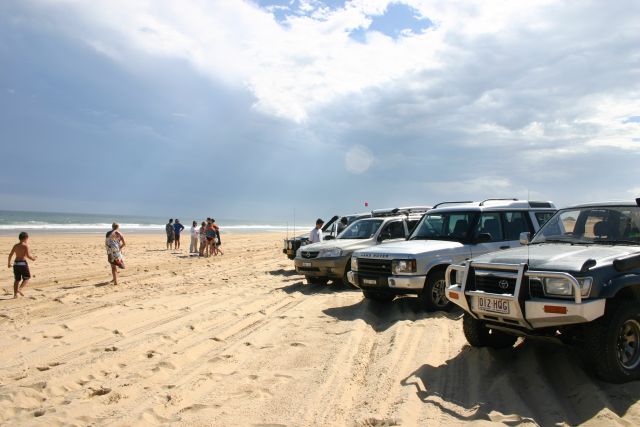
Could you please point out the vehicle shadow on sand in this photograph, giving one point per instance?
(309, 289)
(381, 316)
(283, 272)
(540, 382)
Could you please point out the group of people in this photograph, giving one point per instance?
(205, 240)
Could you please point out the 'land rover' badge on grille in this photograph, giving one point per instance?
(503, 284)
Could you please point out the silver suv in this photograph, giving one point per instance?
(331, 259)
(451, 233)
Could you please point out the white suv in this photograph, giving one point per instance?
(451, 233)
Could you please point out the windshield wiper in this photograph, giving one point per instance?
(616, 242)
(562, 240)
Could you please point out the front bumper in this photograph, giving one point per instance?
(532, 313)
(322, 267)
(389, 284)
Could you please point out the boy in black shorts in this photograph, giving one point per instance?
(20, 266)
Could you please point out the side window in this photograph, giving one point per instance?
(514, 224)
(543, 217)
(489, 223)
(411, 224)
(395, 229)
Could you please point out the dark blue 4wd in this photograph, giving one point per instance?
(577, 280)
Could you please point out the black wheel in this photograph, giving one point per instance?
(612, 343)
(345, 280)
(478, 335)
(433, 296)
(377, 296)
(312, 280)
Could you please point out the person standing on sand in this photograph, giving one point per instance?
(203, 239)
(316, 234)
(195, 236)
(177, 228)
(21, 271)
(170, 234)
(114, 243)
(218, 241)
(211, 238)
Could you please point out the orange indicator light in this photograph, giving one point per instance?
(453, 295)
(555, 309)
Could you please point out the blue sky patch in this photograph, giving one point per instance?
(632, 119)
(397, 19)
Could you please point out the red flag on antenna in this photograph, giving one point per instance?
(366, 204)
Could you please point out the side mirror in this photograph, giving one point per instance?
(525, 238)
(483, 238)
(328, 238)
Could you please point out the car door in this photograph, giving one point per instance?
(489, 223)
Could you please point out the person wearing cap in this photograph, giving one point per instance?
(316, 234)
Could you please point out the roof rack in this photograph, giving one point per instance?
(495, 200)
(451, 203)
(400, 211)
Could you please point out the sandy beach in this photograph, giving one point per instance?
(242, 340)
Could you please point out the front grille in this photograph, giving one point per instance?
(494, 283)
(374, 266)
(308, 254)
(535, 288)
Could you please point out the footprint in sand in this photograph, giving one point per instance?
(99, 392)
(112, 348)
(39, 413)
(42, 368)
(297, 344)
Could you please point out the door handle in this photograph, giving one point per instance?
(504, 247)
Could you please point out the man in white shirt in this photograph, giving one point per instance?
(316, 234)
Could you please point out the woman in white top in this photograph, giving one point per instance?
(195, 236)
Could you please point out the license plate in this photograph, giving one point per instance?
(495, 305)
(369, 282)
(306, 264)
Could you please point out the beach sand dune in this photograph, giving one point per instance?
(242, 340)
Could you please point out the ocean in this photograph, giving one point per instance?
(55, 222)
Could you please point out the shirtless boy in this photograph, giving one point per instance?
(20, 266)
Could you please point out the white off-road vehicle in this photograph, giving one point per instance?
(331, 259)
(578, 280)
(450, 233)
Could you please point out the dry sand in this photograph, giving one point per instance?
(242, 340)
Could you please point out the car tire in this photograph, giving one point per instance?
(433, 296)
(377, 296)
(313, 280)
(345, 280)
(612, 343)
(478, 335)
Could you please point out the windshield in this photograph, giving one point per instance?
(361, 229)
(444, 226)
(597, 225)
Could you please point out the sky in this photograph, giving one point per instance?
(256, 109)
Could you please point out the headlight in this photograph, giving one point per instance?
(290, 244)
(354, 264)
(553, 286)
(459, 277)
(299, 252)
(399, 266)
(330, 253)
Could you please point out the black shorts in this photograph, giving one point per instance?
(21, 270)
(177, 237)
(169, 239)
